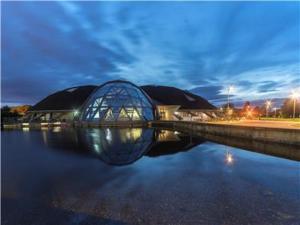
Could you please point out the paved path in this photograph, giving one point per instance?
(263, 123)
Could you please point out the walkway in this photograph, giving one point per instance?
(263, 123)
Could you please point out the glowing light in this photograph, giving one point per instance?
(96, 148)
(230, 89)
(230, 112)
(56, 129)
(176, 113)
(25, 128)
(176, 132)
(108, 135)
(76, 112)
(268, 103)
(229, 158)
(295, 95)
(44, 124)
(25, 124)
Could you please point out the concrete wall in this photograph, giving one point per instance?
(276, 135)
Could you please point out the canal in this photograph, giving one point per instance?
(142, 176)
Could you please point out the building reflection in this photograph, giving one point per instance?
(120, 146)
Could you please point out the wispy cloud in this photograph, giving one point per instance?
(205, 46)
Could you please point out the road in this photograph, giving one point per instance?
(263, 123)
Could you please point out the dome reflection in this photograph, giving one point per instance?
(119, 146)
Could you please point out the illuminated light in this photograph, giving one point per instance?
(230, 112)
(268, 103)
(294, 95)
(176, 132)
(229, 158)
(108, 135)
(25, 124)
(136, 133)
(56, 129)
(57, 123)
(25, 128)
(76, 112)
(176, 113)
(44, 124)
(96, 148)
(230, 89)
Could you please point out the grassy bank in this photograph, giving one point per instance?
(280, 119)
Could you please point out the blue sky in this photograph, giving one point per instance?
(198, 46)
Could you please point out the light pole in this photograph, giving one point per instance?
(275, 109)
(229, 89)
(294, 96)
(268, 105)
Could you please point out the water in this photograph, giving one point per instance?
(144, 176)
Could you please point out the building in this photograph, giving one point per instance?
(176, 104)
(121, 101)
(116, 102)
(61, 106)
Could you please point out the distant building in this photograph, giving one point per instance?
(121, 102)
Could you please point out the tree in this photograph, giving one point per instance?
(225, 106)
(288, 107)
(6, 112)
(246, 110)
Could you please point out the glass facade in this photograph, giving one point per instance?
(117, 101)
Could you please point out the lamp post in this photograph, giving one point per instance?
(294, 96)
(275, 109)
(268, 105)
(229, 89)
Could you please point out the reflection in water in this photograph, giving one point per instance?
(229, 158)
(120, 146)
(41, 186)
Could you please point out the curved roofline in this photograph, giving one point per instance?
(120, 81)
(60, 92)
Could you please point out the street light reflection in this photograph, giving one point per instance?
(229, 158)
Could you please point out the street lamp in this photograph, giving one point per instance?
(294, 96)
(268, 105)
(275, 109)
(229, 89)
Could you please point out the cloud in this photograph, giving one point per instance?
(200, 46)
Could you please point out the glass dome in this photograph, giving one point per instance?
(117, 101)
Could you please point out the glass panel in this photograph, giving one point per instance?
(118, 101)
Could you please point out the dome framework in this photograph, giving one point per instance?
(118, 101)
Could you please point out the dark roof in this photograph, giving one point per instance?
(174, 96)
(68, 99)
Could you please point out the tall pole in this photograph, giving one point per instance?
(268, 104)
(294, 112)
(228, 99)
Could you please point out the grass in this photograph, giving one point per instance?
(280, 119)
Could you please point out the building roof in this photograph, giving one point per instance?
(74, 97)
(166, 95)
(68, 99)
